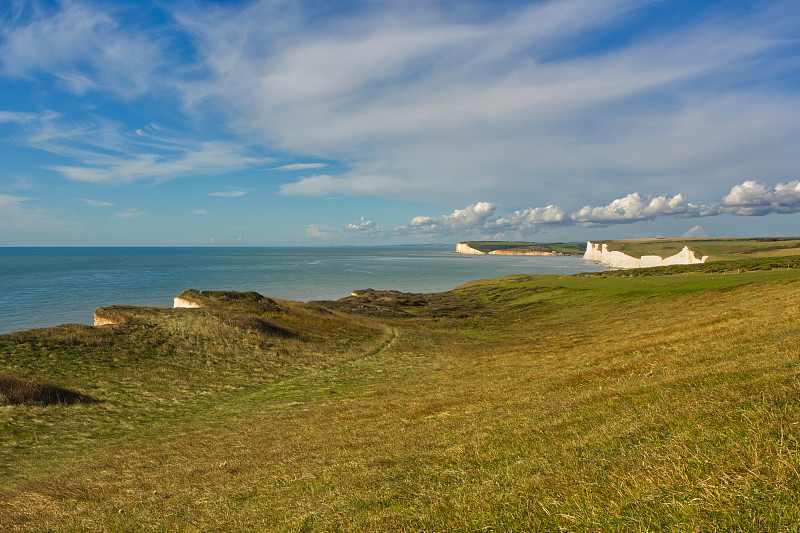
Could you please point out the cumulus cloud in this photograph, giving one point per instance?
(531, 217)
(364, 227)
(469, 219)
(752, 198)
(633, 208)
(746, 199)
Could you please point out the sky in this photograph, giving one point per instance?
(310, 122)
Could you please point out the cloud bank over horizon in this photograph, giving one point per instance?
(747, 199)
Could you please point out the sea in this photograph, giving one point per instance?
(41, 287)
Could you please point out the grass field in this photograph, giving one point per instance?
(715, 249)
(567, 248)
(607, 402)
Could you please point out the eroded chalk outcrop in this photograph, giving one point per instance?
(179, 302)
(601, 254)
(464, 248)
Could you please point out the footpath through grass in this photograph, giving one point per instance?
(545, 403)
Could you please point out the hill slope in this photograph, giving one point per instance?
(523, 403)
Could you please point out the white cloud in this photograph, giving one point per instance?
(450, 106)
(82, 46)
(300, 166)
(752, 198)
(633, 207)
(468, 220)
(199, 212)
(531, 217)
(365, 227)
(695, 231)
(96, 203)
(324, 233)
(105, 153)
(325, 185)
(232, 193)
(130, 213)
(17, 213)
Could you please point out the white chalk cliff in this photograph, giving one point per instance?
(601, 254)
(182, 302)
(464, 248)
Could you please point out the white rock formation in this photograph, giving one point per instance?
(601, 254)
(181, 302)
(464, 248)
(100, 321)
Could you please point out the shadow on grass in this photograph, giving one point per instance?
(19, 391)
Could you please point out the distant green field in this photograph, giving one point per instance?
(570, 248)
(666, 399)
(716, 249)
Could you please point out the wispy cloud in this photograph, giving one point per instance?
(231, 193)
(19, 213)
(199, 212)
(130, 213)
(96, 203)
(321, 233)
(81, 45)
(300, 166)
(105, 153)
(436, 105)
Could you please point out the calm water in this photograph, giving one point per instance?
(49, 286)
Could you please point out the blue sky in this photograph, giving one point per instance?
(378, 122)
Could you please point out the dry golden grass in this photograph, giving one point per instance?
(518, 404)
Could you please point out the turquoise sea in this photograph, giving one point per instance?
(48, 286)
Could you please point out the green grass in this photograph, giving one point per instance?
(526, 403)
(716, 249)
(569, 248)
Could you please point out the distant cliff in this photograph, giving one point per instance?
(518, 248)
(601, 254)
(464, 248)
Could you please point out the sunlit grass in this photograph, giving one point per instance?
(577, 403)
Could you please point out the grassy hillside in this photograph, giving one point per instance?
(716, 249)
(526, 403)
(568, 248)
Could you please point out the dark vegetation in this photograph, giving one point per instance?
(18, 391)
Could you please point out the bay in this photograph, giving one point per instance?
(42, 287)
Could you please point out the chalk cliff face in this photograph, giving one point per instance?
(464, 248)
(601, 254)
(181, 302)
(102, 321)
